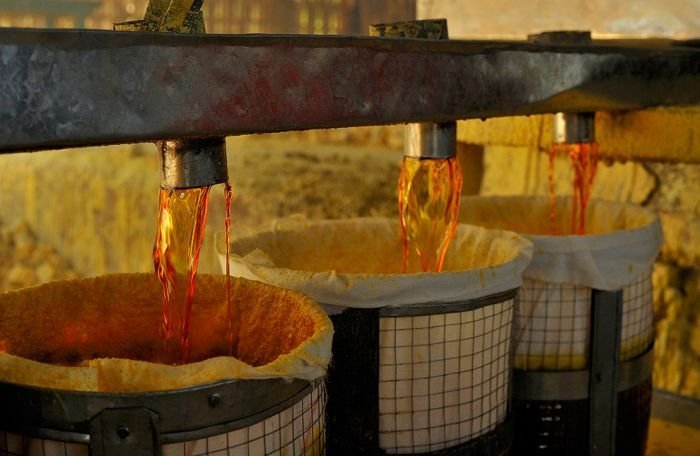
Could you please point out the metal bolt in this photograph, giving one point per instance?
(123, 432)
(214, 400)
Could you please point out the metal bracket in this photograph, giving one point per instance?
(122, 431)
(606, 320)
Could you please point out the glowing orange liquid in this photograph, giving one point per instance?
(429, 193)
(181, 222)
(228, 195)
(584, 159)
(552, 197)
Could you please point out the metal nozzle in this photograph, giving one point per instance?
(430, 140)
(573, 128)
(190, 163)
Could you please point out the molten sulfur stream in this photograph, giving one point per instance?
(429, 193)
(228, 196)
(584, 160)
(181, 221)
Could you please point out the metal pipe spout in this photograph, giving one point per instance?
(430, 140)
(573, 127)
(190, 163)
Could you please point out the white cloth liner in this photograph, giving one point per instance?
(552, 324)
(479, 263)
(553, 321)
(443, 378)
(429, 365)
(624, 241)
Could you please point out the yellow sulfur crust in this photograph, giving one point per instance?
(101, 334)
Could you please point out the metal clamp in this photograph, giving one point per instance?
(429, 29)
(558, 37)
(132, 431)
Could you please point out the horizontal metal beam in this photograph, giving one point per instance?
(78, 88)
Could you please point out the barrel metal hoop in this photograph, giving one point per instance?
(174, 437)
(573, 385)
(48, 434)
(446, 307)
(186, 414)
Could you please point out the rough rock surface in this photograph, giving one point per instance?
(677, 349)
(508, 19)
(98, 206)
(28, 261)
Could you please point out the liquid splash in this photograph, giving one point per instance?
(181, 222)
(429, 194)
(584, 158)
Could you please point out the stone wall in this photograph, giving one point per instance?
(512, 19)
(97, 206)
(28, 261)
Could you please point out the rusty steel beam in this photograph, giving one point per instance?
(77, 88)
